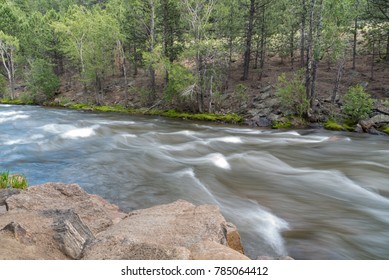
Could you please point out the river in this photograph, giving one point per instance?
(310, 194)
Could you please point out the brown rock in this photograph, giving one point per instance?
(211, 250)
(28, 236)
(233, 238)
(97, 215)
(6, 193)
(177, 226)
(58, 221)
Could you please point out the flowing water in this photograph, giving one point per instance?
(310, 194)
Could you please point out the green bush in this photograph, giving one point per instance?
(42, 81)
(180, 79)
(357, 104)
(291, 94)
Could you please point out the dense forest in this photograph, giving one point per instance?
(198, 55)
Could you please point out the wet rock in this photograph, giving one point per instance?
(233, 238)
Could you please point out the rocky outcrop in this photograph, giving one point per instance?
(58, 221)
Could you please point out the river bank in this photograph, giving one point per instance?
(266, 114)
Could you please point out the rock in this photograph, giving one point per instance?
(379, 119)
(97, 215)
(233, 238)
(265, 89)
(374, 131)
(28, 235)
(267, 258)
(6, 193)
(366, 125)
(358, 128)
(18, 232)
(382, 109)
(210, 250)
(70, 232)
(260, 121)
(167, 231)
(58, 221)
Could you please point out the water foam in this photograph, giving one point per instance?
(12, 116)
(219, 160)
(227, 139)
(79, 133)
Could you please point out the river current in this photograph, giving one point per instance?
(310, 194)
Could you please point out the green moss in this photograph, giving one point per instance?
(80, 106)
(15, 102)
(332, 125)
(385, 129)
(348, 127)
(228, 118)
(281, 124)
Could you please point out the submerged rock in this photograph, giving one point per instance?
(59, 221)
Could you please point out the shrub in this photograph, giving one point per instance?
(357, 104)
(292, 94)
(42, 81)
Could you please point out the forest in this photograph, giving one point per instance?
(321, 59)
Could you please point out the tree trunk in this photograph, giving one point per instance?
(316, 55)
(292, 32)
(387, 49)
(372, 62)
(355, 42)
(263, 43)
(308, 72)
(302, 43)
(151, 49)
(249, 35)
(200, 96)
(355, 37)
(339, 74)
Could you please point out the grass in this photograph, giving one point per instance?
(15, 181)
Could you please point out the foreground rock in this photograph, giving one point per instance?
(58, 221)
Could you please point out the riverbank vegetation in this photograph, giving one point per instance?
(15, 181)
(268, 62)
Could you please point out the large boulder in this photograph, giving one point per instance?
(58, 221)
(97, 213)
(168, 231)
